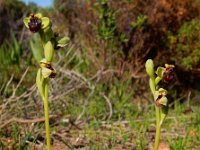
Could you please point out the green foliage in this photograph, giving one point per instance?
(10, 58)
(119, 90)
(11, 51)
(186, 45)
(180, 143)
(62, 42)
(139, 23)
(2, 145)
(16, 50)
(107, 23)
(120, 95)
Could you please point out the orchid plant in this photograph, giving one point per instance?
(166, 75)
(36, 23)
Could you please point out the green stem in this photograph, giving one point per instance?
(153, 84)
(46, 114)
(158, 127)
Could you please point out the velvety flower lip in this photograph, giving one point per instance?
(168, 74)
(34, 23)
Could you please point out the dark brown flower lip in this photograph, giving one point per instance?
(169, 75)
(34, 23)
(53, 74)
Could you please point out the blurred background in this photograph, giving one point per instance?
(101, 92)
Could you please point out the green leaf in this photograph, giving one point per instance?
(163, 115)
(45, 22)
(39, 82)
(139, 22)
(26, 21)
(62, 42)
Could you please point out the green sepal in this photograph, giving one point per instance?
(48, 51)
(45, 22)
(160, 71)
(26, 21)
(38, 15)
(39, 82)
(62, 42)
(157, 80)
(150, 68)
(163, 114)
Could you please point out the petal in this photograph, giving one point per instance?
(26, 21)
(45, 22)
(46, 72)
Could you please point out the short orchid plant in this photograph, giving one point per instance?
(166, 75)
(36, 23)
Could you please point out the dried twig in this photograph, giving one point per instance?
(109, 105)
(22, 78)
(19, 120)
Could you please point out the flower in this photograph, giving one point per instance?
(47, 69)
(160, 97)
(34, 23)
(168, 73)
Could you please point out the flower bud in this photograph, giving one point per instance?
(48, 51)
(150, 68)
(34, 24)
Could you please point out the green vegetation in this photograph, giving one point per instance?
(186, 45)
(100, 98)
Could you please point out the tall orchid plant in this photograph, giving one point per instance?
(165, 74)
(36, 23)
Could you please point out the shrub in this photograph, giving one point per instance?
(186, 45)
